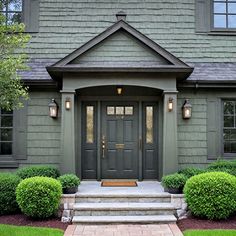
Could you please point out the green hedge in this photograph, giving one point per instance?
(69, 180)
(211, 195)
(32, 171)
(8, 184)
(191, 171)
(39, 197)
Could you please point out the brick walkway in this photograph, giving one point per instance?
(123, 230)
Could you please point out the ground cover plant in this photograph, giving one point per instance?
(8, 184)
(7, 230)
(211, 195)
(216, 232)
(39, 197)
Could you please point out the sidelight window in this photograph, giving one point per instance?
(89, 124)
(149, 124)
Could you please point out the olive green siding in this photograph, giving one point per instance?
(43, 132)
(194, 143)
(66, 25)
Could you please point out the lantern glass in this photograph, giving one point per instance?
(68, 104)
(170, 104)
(119, 90)
(187, 109)
(53, 109)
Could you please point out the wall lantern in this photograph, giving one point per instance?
(68, 103)
(187, 109)
(170, 104)
(53, 108)
(119, 90)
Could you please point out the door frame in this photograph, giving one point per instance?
(98, 101)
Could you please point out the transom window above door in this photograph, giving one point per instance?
(119, 110)
(224, 14)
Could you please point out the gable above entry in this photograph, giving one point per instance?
(120, 48)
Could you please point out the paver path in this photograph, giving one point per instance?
(124, 230)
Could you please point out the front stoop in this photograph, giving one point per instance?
(92, 208)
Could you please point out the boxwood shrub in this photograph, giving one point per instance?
(174, 181)
(32, 171)
(39, 197)
(191, 171)
(211, 195)
(8, 184)
(69, 180)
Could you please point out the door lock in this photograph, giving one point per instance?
(103, 146)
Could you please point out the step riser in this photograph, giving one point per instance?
(123, 213)
(130, 199)
(123, 222)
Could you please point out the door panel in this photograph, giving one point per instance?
(120, 130)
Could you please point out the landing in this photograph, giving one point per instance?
(143, 188)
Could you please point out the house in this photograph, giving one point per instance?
(136, 89)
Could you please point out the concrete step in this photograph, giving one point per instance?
(122, 209)
(115, 197)
(157, 219)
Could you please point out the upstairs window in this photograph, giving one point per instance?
(6, 130)
(224, 14)
(12, 10)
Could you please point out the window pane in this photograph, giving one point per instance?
(14, 18)
(6, 121)
(220, 21)
(119, 110)
(232, 21)
(128, 110)
(89, 124)
(228, 121)
(232, 8)
(149, 124)
(229, 108)
(3, 5)
(6, 112)
(14, 5)
(110, 110)
(227, 147)
(5, 148)
(219, 7)
(6, 134)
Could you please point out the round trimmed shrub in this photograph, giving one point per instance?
(69, 180)
(32, 171)
(191, 171)
(174, 181)
(211, 195)
(39, 197)
(8, 184)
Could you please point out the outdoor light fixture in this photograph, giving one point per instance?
(68, 103)
(119, 90)
(170, 104)
(53, 108)
(187, 109)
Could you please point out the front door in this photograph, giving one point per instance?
(119, 136)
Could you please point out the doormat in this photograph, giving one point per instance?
(119, 184)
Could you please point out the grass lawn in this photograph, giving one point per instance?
(210, 232)
(10, 230)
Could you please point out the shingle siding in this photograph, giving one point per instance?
(64, 26)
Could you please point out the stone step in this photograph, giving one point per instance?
(157, 219)
(122, 208)
(108, 197)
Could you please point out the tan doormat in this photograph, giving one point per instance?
(119, 184)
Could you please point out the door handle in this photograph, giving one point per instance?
(103, 146)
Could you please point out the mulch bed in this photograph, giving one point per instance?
(196, 223)
(22, 220)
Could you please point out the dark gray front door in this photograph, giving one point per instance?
(119, 136)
